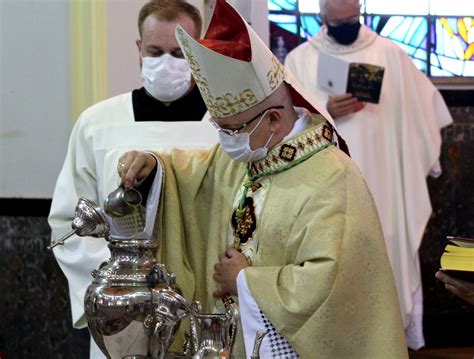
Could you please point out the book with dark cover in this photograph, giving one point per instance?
(468, 276)
(462, 241)
(365, 81)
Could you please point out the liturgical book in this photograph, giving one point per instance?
(458, 258)
(337, 76)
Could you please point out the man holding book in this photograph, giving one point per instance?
(457, 267)
(461, 288)
(395, 142)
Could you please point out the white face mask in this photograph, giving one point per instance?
(166, 78)
(238, 147)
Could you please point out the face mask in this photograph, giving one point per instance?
(166, 78)
(238, 147)
(344, 34)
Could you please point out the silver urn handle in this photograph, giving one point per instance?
(170, 308)
(232, 312)
(196, 308)
(61, 240)
(256, 345)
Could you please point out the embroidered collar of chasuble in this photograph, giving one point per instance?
(294, 151)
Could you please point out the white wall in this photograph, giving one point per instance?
(34, 103)
(123, 58)
(35, 108)
(256, 13)
(260, 20)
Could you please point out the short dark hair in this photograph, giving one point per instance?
(169, 10)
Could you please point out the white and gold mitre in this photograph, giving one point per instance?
(233, 67)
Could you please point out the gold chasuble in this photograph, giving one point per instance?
(319, 269)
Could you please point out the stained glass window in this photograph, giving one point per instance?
(408, 32)
(310, 6)
(453, 52)
(286, 22)
(452, 7)
(437, 34)
(398, 7)
(279, 5)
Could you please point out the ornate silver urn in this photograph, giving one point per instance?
(133, 306)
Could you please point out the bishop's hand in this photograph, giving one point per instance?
(226, 271)
(134, 166)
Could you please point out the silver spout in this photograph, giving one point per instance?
(61, 240)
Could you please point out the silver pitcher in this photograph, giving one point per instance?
(122, 201)
(213, 335)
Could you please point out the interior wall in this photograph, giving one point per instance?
(35, 76)
(34, 103)
(123, 58)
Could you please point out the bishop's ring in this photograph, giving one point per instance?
(120, 167)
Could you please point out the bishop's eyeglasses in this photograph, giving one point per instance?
(233, 132)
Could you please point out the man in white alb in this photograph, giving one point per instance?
(166, 112)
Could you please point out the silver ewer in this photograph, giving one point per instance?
(122, 201)
(213, 335)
